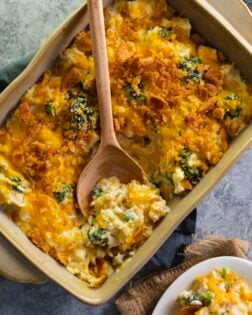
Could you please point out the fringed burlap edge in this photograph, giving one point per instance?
(142, 298)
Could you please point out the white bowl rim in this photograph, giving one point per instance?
(164, 304)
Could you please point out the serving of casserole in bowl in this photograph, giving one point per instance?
(220, 286)
(181, 109)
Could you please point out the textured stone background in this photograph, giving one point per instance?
(227, 210)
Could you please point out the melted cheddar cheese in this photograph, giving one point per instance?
(222, 292)
(122, 216)
(177, 104)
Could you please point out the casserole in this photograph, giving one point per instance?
(167, 304)
(169, 224)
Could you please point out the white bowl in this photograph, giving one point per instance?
(167, 303)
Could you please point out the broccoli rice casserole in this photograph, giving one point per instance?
(177, 104)
(222, 292)
(122, 216)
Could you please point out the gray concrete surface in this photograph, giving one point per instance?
(227, 210)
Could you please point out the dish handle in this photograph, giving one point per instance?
(15, 267)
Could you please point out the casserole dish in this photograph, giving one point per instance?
(239, 50)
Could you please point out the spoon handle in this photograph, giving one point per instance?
(97, 30)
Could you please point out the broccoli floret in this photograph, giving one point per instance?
(224, 271)
(232, 96)
(188, 300)
(185, 154)
(17, 184)
(129, 216)
(193, 75)
(15, 179)
(62, 194)
(50, 109)
(190, 63)
(165, 31)
(184, 157)
(132, 95)
(97, 236)
(233, 113)
(19, 188)
(82, 116)
(97, 192)
(207, 297)
(192, 173)
(196, 60)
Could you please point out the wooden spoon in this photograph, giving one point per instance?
(110, 159)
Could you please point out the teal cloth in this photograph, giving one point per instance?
(9, 72)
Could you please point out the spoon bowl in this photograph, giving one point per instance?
(110, 159)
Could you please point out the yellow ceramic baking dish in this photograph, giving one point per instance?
(223, 32)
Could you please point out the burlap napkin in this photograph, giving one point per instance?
(142, 298)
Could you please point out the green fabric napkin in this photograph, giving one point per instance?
(9, 72)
